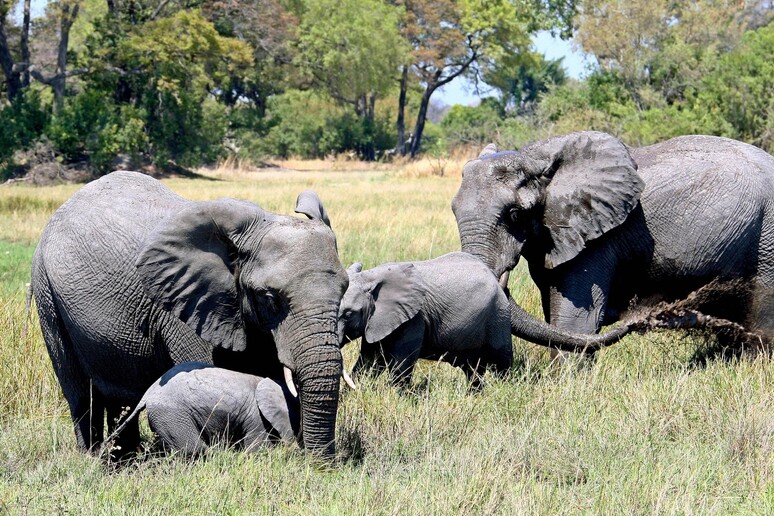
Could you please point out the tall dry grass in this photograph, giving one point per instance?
(644, 429)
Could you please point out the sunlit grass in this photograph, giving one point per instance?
(644, 429)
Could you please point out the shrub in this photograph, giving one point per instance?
(21, 123)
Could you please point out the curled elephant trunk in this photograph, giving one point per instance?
(318, 376)
(526, 326)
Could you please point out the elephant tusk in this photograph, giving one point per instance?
(289, 381)
(348, 380)
(504, 280)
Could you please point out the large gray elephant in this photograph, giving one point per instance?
(131, 279)
(194, 406)
(602, 225)
(450, 308)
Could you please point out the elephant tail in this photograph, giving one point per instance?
(27, 307)
(107, 445)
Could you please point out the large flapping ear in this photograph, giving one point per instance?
(187, 266)
(310, 205)
(488, 151)
(593, 187)
(278, 407)
(398, 294)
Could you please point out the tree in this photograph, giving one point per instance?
(662, 48)
(352, 49)
(450, 38)
(164, 75)
(520, 83)
(13, 80)
(18, 74)
(269, 26)
(740, 91)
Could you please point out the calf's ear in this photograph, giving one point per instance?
(278, 407)
(398, 294)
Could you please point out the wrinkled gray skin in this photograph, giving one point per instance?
(602, 225)
(131, 279)
(450, 308)
(194, 406)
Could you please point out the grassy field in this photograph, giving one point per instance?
(644, 429)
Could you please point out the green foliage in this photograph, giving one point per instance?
(740, 92)
(521, 81)
(91, 126)
(309, 125)
(351, 47)
(21, 123)
(471, 125)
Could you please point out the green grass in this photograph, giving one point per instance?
(641, 430)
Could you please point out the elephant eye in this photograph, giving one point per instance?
(267, 298)
(513, 215)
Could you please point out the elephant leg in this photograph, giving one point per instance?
(371, 358)
(474, 368)
(176, 431)
(87, 410)
(402, 350)
(84, 400)
(128, 441)
(497, 351)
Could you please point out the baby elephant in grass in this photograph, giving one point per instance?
(450, 308)
(194, 406)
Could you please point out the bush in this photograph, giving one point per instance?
(310, 125)
(466, 125)
(92, 127)
(21, 123)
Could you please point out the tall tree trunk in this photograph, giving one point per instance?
(371, 125)
(400, 146)
(421, 117)
(69, 12)
(13, 84)
(25, 44)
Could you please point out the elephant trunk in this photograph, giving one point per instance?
(526, 326)
(318, 370)
(473, 243)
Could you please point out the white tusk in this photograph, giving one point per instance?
(348, 380)
(504, 279)
(289, 381)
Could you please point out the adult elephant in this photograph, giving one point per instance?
(602, 225)
(131, 279)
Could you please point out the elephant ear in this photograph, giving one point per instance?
(593, 187)
(310, 205)
(398, 294)
(278, 408)
(187, 266)
(488, 151)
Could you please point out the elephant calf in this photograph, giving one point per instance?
(194, 405)
(450, 308)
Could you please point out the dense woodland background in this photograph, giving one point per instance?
(191, 82)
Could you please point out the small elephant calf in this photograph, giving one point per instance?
(451, 308)
(193, 406)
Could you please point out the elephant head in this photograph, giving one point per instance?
(232, 271)
(545, 202)
(379, 300)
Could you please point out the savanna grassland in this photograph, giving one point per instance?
(648, 428)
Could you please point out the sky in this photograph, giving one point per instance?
(460, 91)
